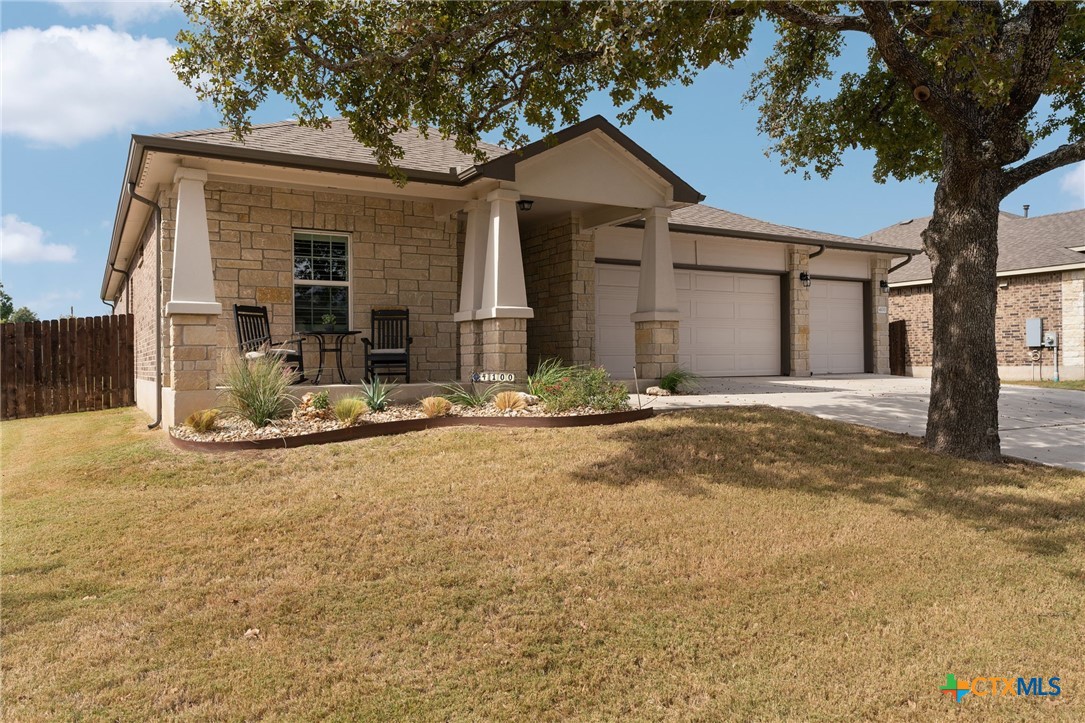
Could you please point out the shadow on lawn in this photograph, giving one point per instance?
(765, 448)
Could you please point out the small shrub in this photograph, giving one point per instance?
(257, 389)
(349, 410)
(203, 420)
(509, 401)
(378, 394)
(585, 387)
(678, 377)
(473, 397)
(320, 400)
(547, 373)
(436, 406)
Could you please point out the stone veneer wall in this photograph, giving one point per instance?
(559, 270)
(399, 256)
(798, 260)
(1026, 297)
(879, 314)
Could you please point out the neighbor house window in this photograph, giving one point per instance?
(321, 281)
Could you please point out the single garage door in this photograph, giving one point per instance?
(729, 325)
(836, 327)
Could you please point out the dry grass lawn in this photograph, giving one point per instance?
(744, 563)
(1075, 384)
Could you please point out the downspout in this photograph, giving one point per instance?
(902, 264)
(128, 299)
(819, 252)
(158, 301)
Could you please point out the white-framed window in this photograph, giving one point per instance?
(321, 281)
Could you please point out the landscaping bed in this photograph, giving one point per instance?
(259, 414)
(242, 435)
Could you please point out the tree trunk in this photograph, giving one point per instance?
(962, 244)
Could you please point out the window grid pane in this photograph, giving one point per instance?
(321, 257)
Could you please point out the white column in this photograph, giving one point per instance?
(657, 299)
(504, 292)
(474, 260)
(193, 289)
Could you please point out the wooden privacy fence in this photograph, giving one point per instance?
(898, 347)
(66, 365)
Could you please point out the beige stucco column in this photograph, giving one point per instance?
(493, 309)
(798, 261)
(192, 311)
(879, 313)
(193, 287)
(655, 321)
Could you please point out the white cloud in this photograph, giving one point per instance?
(121, 14)
(1073, 182)
(63, 85)
(24, 243)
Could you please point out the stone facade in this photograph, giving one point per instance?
(504, 346)
(656, 344)
(1073, 319)
(559, 269)
(399, 256)
(879, 314)
(798, 261)
(1024, 297)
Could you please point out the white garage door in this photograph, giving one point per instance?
(729, 326)
(836, 327)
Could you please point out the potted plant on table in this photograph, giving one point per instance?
(328, 320)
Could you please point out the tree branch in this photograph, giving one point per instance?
(1064, 155)
(909, 67)
(1045, 21)
(815, 21)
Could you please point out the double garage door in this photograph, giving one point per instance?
(730, 323)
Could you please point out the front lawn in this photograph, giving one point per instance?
(740, 563)
(1076, 384)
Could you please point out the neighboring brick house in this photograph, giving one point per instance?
(1041, 274)
(582, 246)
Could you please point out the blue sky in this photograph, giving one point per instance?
(80, 77)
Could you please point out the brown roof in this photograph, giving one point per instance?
(429, 158)
(707, 218)
(1023, 243)
(337, 143)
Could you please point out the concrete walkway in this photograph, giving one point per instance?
(1044, 425)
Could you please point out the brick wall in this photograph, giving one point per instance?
(399, 256)
(1025, 297)
(138, 298)
(559, 270)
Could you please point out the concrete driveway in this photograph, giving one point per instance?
(1044, 425)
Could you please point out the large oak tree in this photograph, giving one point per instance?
(951, 91)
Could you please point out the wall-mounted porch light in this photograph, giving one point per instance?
(884, 285)
(805, 279)
(524, 204)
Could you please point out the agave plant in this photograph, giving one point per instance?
(473, 397)
(378, 394)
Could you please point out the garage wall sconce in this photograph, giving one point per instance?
(805, 279)
(884, 285)
(524, 204)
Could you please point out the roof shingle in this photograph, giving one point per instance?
(433, 154)
(1023, 243)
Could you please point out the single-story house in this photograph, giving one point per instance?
(582, 246)
(1041, 275)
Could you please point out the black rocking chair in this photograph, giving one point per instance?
(254, 338)
(390, 347)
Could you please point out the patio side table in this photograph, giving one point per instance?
(330, 342)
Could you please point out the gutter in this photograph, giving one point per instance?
(778, 238)
(158, 300)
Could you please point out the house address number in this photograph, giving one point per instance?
(508, 377)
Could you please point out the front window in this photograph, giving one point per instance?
(321, 282)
